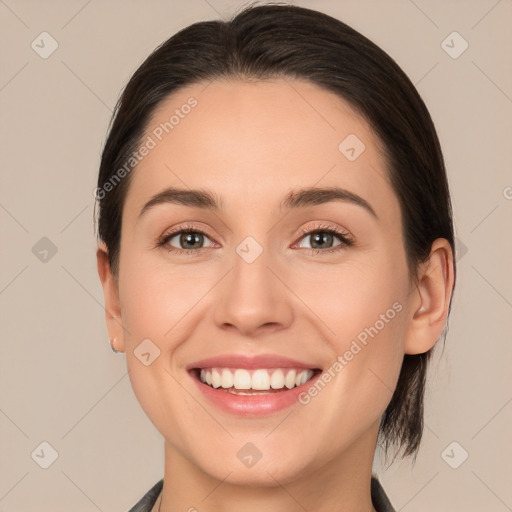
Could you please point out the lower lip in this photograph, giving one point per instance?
(253, 405)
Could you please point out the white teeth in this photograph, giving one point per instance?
(300, 379)
(215, 378)
(277, 379)
(289, 381)
(259, 380)
(226, 379)
(241, 379)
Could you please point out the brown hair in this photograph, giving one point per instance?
(269, 41)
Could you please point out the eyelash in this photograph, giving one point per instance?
(345, 239)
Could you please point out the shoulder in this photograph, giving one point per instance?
(145, 504)
(379, 498)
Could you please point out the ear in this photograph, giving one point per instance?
(111, 296)
(431, 299)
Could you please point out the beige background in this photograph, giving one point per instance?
(61, 383)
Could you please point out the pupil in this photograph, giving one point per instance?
(320, 236)
(189, 238)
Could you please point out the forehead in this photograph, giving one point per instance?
(258, 140)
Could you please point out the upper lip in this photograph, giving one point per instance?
(250, 362)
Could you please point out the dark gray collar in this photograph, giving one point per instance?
(379, 499)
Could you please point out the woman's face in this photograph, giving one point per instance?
(250, 282)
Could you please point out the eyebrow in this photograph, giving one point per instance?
(301, 198)
(186, 197)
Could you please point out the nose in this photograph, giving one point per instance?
(253, 298)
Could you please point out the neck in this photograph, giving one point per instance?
(340, 484)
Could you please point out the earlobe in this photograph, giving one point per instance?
(431, 300)
(111, 297)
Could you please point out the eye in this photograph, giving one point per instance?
(190, 240)
(322, 239)
(187, 240)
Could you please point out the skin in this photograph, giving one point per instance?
(251, 143)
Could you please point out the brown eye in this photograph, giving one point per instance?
(324, 239)
(188, 239)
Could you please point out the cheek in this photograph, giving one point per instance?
(361, 311)
(155, 302)
(155, 299)
(352, 297)
(360, 379)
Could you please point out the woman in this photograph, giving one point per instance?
(276, 251)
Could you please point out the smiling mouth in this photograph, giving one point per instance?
(241, 381)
